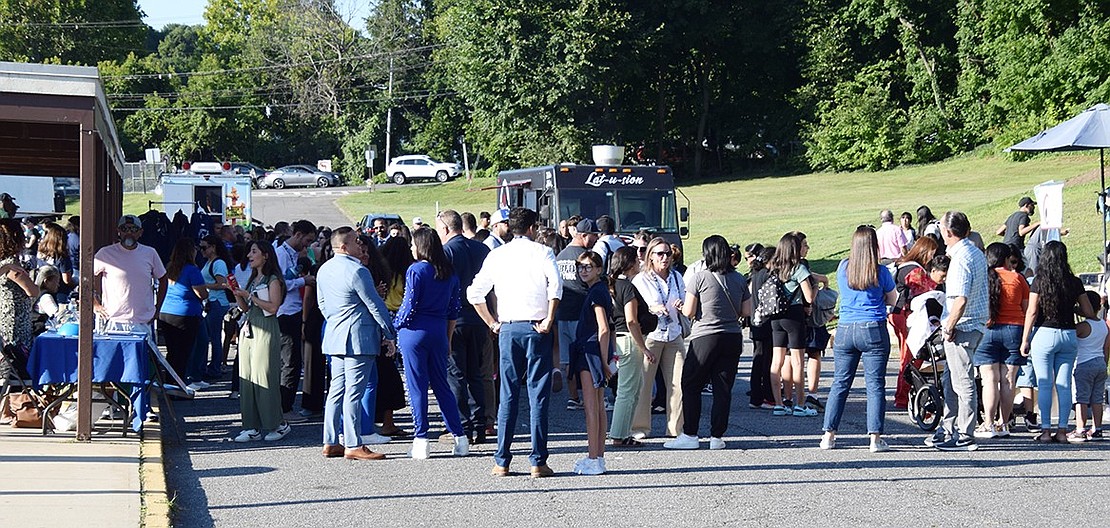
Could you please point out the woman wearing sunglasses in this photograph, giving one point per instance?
(663, 291)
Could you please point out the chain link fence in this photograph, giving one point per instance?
(141, 177)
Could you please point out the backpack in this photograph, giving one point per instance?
(772, 300)
(824, 307)
(900, 286)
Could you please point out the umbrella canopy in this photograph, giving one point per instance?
(1088, 130)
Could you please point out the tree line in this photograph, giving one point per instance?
(713, 87)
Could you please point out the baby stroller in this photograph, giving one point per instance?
(926, 403)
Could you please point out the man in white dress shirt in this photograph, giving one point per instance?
(525, 280)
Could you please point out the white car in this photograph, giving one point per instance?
(405, 168)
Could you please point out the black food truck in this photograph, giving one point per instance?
(636, 197)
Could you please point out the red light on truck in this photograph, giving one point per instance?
(185, 165)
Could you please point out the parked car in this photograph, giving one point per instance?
(419, 167)
(298, 175)
(367, 221)
(244, 168)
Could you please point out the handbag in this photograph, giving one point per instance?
(686, 324)
(25, 409)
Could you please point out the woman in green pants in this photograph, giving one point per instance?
(631, 320)
(260, 347)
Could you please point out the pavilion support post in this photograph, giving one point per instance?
(90, 191)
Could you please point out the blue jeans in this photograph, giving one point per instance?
(1052, 352)
(870, 342)
(198, 357)
(214, 323)
(343, 409)
(525, 354)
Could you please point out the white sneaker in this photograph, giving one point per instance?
(249, 435)
(716, 443)
(199, 385)
(592, 466)
(601, 462)
(683, 441)
(985, 431)
(642, 435)
(374, 439)
(828, 442)
(462, 446)
(419, 449)
(578, 464)
(279, 433)
(879, 446)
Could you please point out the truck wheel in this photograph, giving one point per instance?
(322, 182)
(441, 176)
(399, 178)
(279, 183)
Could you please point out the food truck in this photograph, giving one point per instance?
(636, 197)
(209, 187)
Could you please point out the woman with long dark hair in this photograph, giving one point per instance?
(17, 292)
(1049, 339)
(716, 300)
(788, 329)
(424, 325)
(182, 310)
(911, 279)
(999, 354)
(631, 321)
(260, 347)
(761, 396)
(589, 358)
(866, 289)
(215, 272)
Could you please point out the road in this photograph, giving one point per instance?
(771, 474)
(316, 205)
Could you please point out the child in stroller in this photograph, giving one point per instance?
(926, 401)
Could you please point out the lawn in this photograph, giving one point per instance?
(828, 206)
(133, 203)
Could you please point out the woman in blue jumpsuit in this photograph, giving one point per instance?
(424, 323)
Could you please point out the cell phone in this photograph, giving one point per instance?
(232, 282)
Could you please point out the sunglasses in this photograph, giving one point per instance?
(641, 249)
(662, 253)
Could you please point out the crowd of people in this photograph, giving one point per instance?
(477, 308)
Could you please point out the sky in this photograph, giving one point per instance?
(162, 12)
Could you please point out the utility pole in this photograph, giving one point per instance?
(389, 116)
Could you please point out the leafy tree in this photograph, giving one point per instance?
(70, 31)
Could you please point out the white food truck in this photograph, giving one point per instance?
(209, 187)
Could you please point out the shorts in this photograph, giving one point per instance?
(788, 330)
(1001, 344)
(1026, 378)
(567, 334)
(1090, 382)
(817, 340)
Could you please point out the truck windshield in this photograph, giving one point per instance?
(632, 209)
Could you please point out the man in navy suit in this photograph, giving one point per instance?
(357, 323)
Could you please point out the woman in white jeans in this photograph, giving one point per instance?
(663, 291)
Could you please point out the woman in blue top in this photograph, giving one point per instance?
(180, 316)
(589, 359)
(215, 273)
(866, 289)
(425, 322)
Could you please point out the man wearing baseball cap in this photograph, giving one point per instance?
(1019, 224)
(124, 274)
(498, 229)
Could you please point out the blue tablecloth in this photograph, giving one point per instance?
(118, 359)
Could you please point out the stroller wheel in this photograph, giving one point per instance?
(926, 407)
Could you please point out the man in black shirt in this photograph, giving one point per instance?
(1019, 224)
(574, 294)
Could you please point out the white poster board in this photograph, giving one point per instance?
(1050, 201)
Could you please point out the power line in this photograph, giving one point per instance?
(383, 54)
(412, 96)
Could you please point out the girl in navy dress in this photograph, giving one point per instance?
(589, 359)
(424, 323)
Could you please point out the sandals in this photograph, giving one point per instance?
(625, 442)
